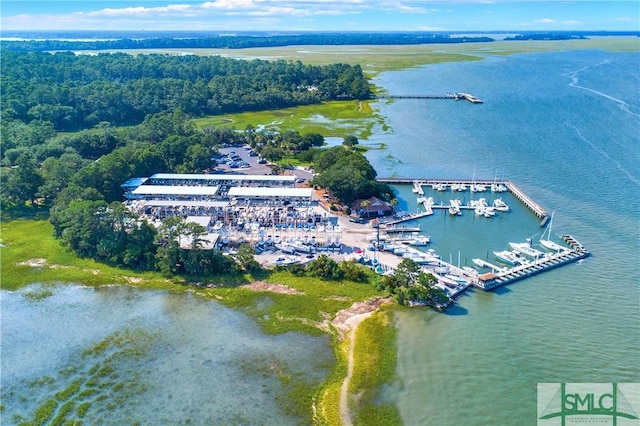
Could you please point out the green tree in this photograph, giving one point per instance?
(350, 141)
(324, 267)
(353, 272)
(21, 183)
(246, 257)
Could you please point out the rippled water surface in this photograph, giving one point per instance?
(146, 356)
(565, 127)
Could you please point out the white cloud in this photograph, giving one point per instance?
(545, 21)
(428, 28)
(572, 22)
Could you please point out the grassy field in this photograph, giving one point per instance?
(330, 119)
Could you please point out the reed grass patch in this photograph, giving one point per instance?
(330, 119)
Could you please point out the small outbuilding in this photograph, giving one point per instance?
(371, 207)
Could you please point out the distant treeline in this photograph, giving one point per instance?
(548, 36)
(239, 41)
(79, 91)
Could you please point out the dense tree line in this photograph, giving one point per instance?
(409, 285)
(79, 91)
(240, 41)
(348, 175)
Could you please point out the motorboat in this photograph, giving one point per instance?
(454, 207)
(500, 205)
(421, 240)
(489, 212)
(527, 249)
(218, 226)
(508, 257)
(498, 187)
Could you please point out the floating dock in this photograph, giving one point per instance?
(492, 280)
(511, 188)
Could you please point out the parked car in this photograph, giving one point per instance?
(262, 161)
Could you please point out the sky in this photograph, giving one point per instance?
(320, 15)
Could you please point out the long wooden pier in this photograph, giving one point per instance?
(550, 261)
(455, 96)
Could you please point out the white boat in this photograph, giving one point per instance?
(421, 240)
(500, 205)
(478, 262)
(498, 187)
(218, 226)
(285, 261)
(470, 270)
(489, 212)
(547, 243)
(508, 257)
(454, 208)
(525, 248)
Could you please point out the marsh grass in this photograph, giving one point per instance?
(374, 366)
(328, 398)
(95, 383)
(375, 59)
(28, 240)
(330, 119)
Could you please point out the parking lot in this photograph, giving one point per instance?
(252, 166)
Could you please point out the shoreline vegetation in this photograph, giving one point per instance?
(278, 300)
(358, 321)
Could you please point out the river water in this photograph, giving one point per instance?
(182, 359)
(563, 126)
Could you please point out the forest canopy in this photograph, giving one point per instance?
(75, 92)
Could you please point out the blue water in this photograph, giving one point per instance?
(565, 127)
(191, 360)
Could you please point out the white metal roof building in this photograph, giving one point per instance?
(275, 194)
(220, 179)
(169, 192)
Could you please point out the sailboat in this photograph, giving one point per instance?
(547, 243)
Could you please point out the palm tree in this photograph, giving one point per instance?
(364, 204)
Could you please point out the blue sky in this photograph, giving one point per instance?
(320, 15)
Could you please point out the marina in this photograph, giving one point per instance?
(521, 260)
(547, 262)
(473, 185)
(290, 225)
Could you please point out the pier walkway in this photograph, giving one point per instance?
(511, 187)
(549, 261)
(455, 96)
(406, 218)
